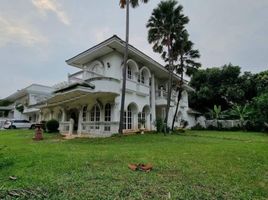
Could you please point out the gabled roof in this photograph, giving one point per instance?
(75, 85)
(35, 88)
(116, 44)
(112, 44)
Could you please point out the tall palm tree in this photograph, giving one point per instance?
(187, 64)
(166, 21)
(134, 3)
(123, 4)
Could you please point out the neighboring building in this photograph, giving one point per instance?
(24, 103)
(89, 103)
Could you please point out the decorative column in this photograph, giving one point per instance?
(71, 126)
(80, 120)
(51, 114)
(153, 112)
(63, 119)
(40, 117)
(84, 76)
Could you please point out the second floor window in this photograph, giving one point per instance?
(129, 73)
(142, 77)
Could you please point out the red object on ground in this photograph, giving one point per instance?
(140, 167)
(38, 133)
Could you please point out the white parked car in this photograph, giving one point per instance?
(12, 124)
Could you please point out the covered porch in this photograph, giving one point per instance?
(82, 112)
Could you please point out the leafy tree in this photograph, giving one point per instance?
(261, 80)
(133, 3)
(241, 112)
(165, 26)
(260, 105)
(187, 63)
(221, 86)
(123, 4)
(216, 113)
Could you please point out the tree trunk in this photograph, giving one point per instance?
(180, 93)
(121, 122)
(177, 108)
(170, 69)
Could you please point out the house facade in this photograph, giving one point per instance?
(23, 103)
(88, 104)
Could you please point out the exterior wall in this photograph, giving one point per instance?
(28, 96)
(105, 74)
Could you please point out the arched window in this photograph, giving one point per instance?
(141, 119)
(129, 117)
(142, 77)
(125, 120)
(85, 113)
(129, 72)
(95, 116)
(107, 117)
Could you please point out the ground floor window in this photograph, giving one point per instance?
(128, 118)
(107, 117)
(95, 117)
(141, 119)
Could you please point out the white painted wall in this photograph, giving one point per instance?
(111, 66)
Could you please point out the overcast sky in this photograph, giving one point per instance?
(37, 36)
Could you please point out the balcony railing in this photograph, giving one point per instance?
(99, 129)
(83, 75)
(162, 95)
(66, 127)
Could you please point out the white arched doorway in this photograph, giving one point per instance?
(144, 118)
(130, 117)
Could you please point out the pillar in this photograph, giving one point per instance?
(51, 114)
(40, 116)
(84, 76)
(80, 120)
(63, 119)
(153, 112)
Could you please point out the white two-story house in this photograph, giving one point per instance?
(89, 104)
(23, 103)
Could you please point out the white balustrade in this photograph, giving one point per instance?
(99, 128)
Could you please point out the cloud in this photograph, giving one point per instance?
(15, 32)
(53, 6)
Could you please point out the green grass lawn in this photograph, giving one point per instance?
(195, 165)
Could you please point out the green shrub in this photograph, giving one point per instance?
(52, 126)
(159, 125)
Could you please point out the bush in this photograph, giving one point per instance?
(159, 125)
(52, 126)
(257, 125)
